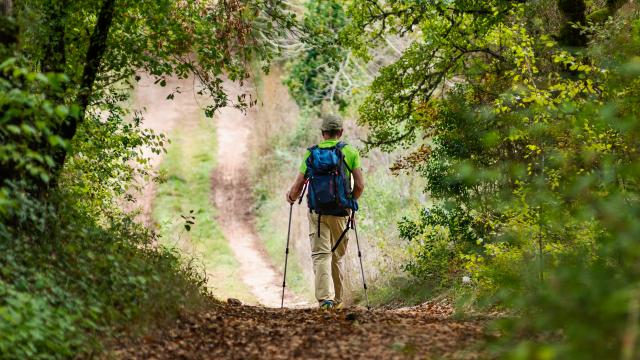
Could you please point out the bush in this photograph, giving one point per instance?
(528, 139)
(439, 236)
(66, 285)
(32, 327)
(545, 191)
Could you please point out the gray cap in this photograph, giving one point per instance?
(331, 122)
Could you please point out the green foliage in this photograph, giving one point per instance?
(117, 142)
(440, 235)
(92, 51)
(29, 117)
(530, 154)
(33, 327)
(74, 269)
(449, 36)
(387, 199)
(66, 283)
(162, 38)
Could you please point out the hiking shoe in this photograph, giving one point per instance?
(327, 305)
(339, 305)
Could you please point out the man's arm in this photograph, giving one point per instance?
(358, 183)
(296, 189)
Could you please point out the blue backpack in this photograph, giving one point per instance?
(329, 188)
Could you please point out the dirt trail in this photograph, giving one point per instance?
(246, 332)
(225, 331)
(233, 201)
(262, 332)
(231, 189)
(160, 115)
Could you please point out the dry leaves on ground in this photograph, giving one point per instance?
(248, 332)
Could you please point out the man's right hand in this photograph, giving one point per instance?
(289, 199)
(296, 189)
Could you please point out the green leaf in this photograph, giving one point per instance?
(56, 140)
(45, 177)
(14, 129)
(62, 111)
(28, 129)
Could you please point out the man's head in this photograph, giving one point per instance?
(331, 126)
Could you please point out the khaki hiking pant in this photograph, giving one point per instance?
(328, 267)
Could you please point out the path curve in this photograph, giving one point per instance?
(160, 115)
(232, 196)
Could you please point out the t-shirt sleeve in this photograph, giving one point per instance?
(303, 165)
(355, 161)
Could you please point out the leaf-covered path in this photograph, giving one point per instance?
(247, 332)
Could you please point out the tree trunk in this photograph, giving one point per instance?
(6, 8)
(95, 52)
(8, 27)
(574, 12)
(97, 48)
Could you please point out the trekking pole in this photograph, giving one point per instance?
(286, 252)
(364, 282)
(286, 256)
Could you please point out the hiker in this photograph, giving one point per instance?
(331, 202)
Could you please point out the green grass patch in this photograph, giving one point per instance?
(187, 168)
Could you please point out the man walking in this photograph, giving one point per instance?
(327, 169)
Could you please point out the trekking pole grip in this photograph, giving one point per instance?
(304, 189)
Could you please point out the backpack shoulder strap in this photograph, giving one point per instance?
(309, 160)
(340, 145)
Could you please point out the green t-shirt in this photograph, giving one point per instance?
(351, 156)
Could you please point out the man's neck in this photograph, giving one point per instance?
(331, 139)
